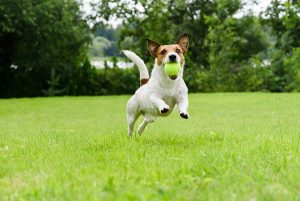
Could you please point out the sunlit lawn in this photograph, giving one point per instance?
(233, 147)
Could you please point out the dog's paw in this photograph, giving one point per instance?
(164, 110)
(184, 115)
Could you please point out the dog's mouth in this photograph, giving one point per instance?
(173, 77)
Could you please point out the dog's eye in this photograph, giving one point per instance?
(178, 51)
(163, 52)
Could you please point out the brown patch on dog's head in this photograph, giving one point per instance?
(161, 51)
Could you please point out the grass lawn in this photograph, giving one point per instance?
(233, 147)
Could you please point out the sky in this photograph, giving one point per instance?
(256, 8)
(249, 5)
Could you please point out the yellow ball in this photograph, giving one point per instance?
(172, 69)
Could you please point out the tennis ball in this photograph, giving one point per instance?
(172, 69)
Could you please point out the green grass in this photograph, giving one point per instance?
(233, 147)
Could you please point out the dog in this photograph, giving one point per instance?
(158, 95)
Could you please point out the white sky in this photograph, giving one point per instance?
(255, 8)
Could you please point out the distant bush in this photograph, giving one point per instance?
(292, 66)
(87, 80)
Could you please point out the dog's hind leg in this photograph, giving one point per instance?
(131, 118)
(146, 121)
(132, 114)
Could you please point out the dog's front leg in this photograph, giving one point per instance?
(160, 104)
(183, 103)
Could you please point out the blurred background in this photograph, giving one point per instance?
(72, 47)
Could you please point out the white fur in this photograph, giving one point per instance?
(158, 94)
(166, 59)
(139, 62)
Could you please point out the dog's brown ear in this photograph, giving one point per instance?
(184, 42)
(152, 46)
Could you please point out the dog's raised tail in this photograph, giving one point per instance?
(144, 74)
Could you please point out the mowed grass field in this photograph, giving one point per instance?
(234, 147)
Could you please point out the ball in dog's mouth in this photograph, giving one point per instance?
(173, 77)
(172, 69)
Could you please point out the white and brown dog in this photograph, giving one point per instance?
(158, 95)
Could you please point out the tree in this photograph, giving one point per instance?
(37, 37)
(99, 44)
(221, 46)
(232, 44)
(284, 20)
(163, 21)
(110, 34)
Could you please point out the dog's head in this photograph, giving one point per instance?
(173, 53)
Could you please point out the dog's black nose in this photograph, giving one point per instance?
(172, 57)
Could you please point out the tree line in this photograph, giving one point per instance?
(45, 45)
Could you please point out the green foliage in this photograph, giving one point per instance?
(45, 45)
(163, 21)
(221, 46)
(107, 49)
(284, 19)
(99, 44)
(292, 65)
(117, 81)
(36, 37)
(53, 85)
(232, 44)
(88, 80)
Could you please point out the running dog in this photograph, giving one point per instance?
(158, 94)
